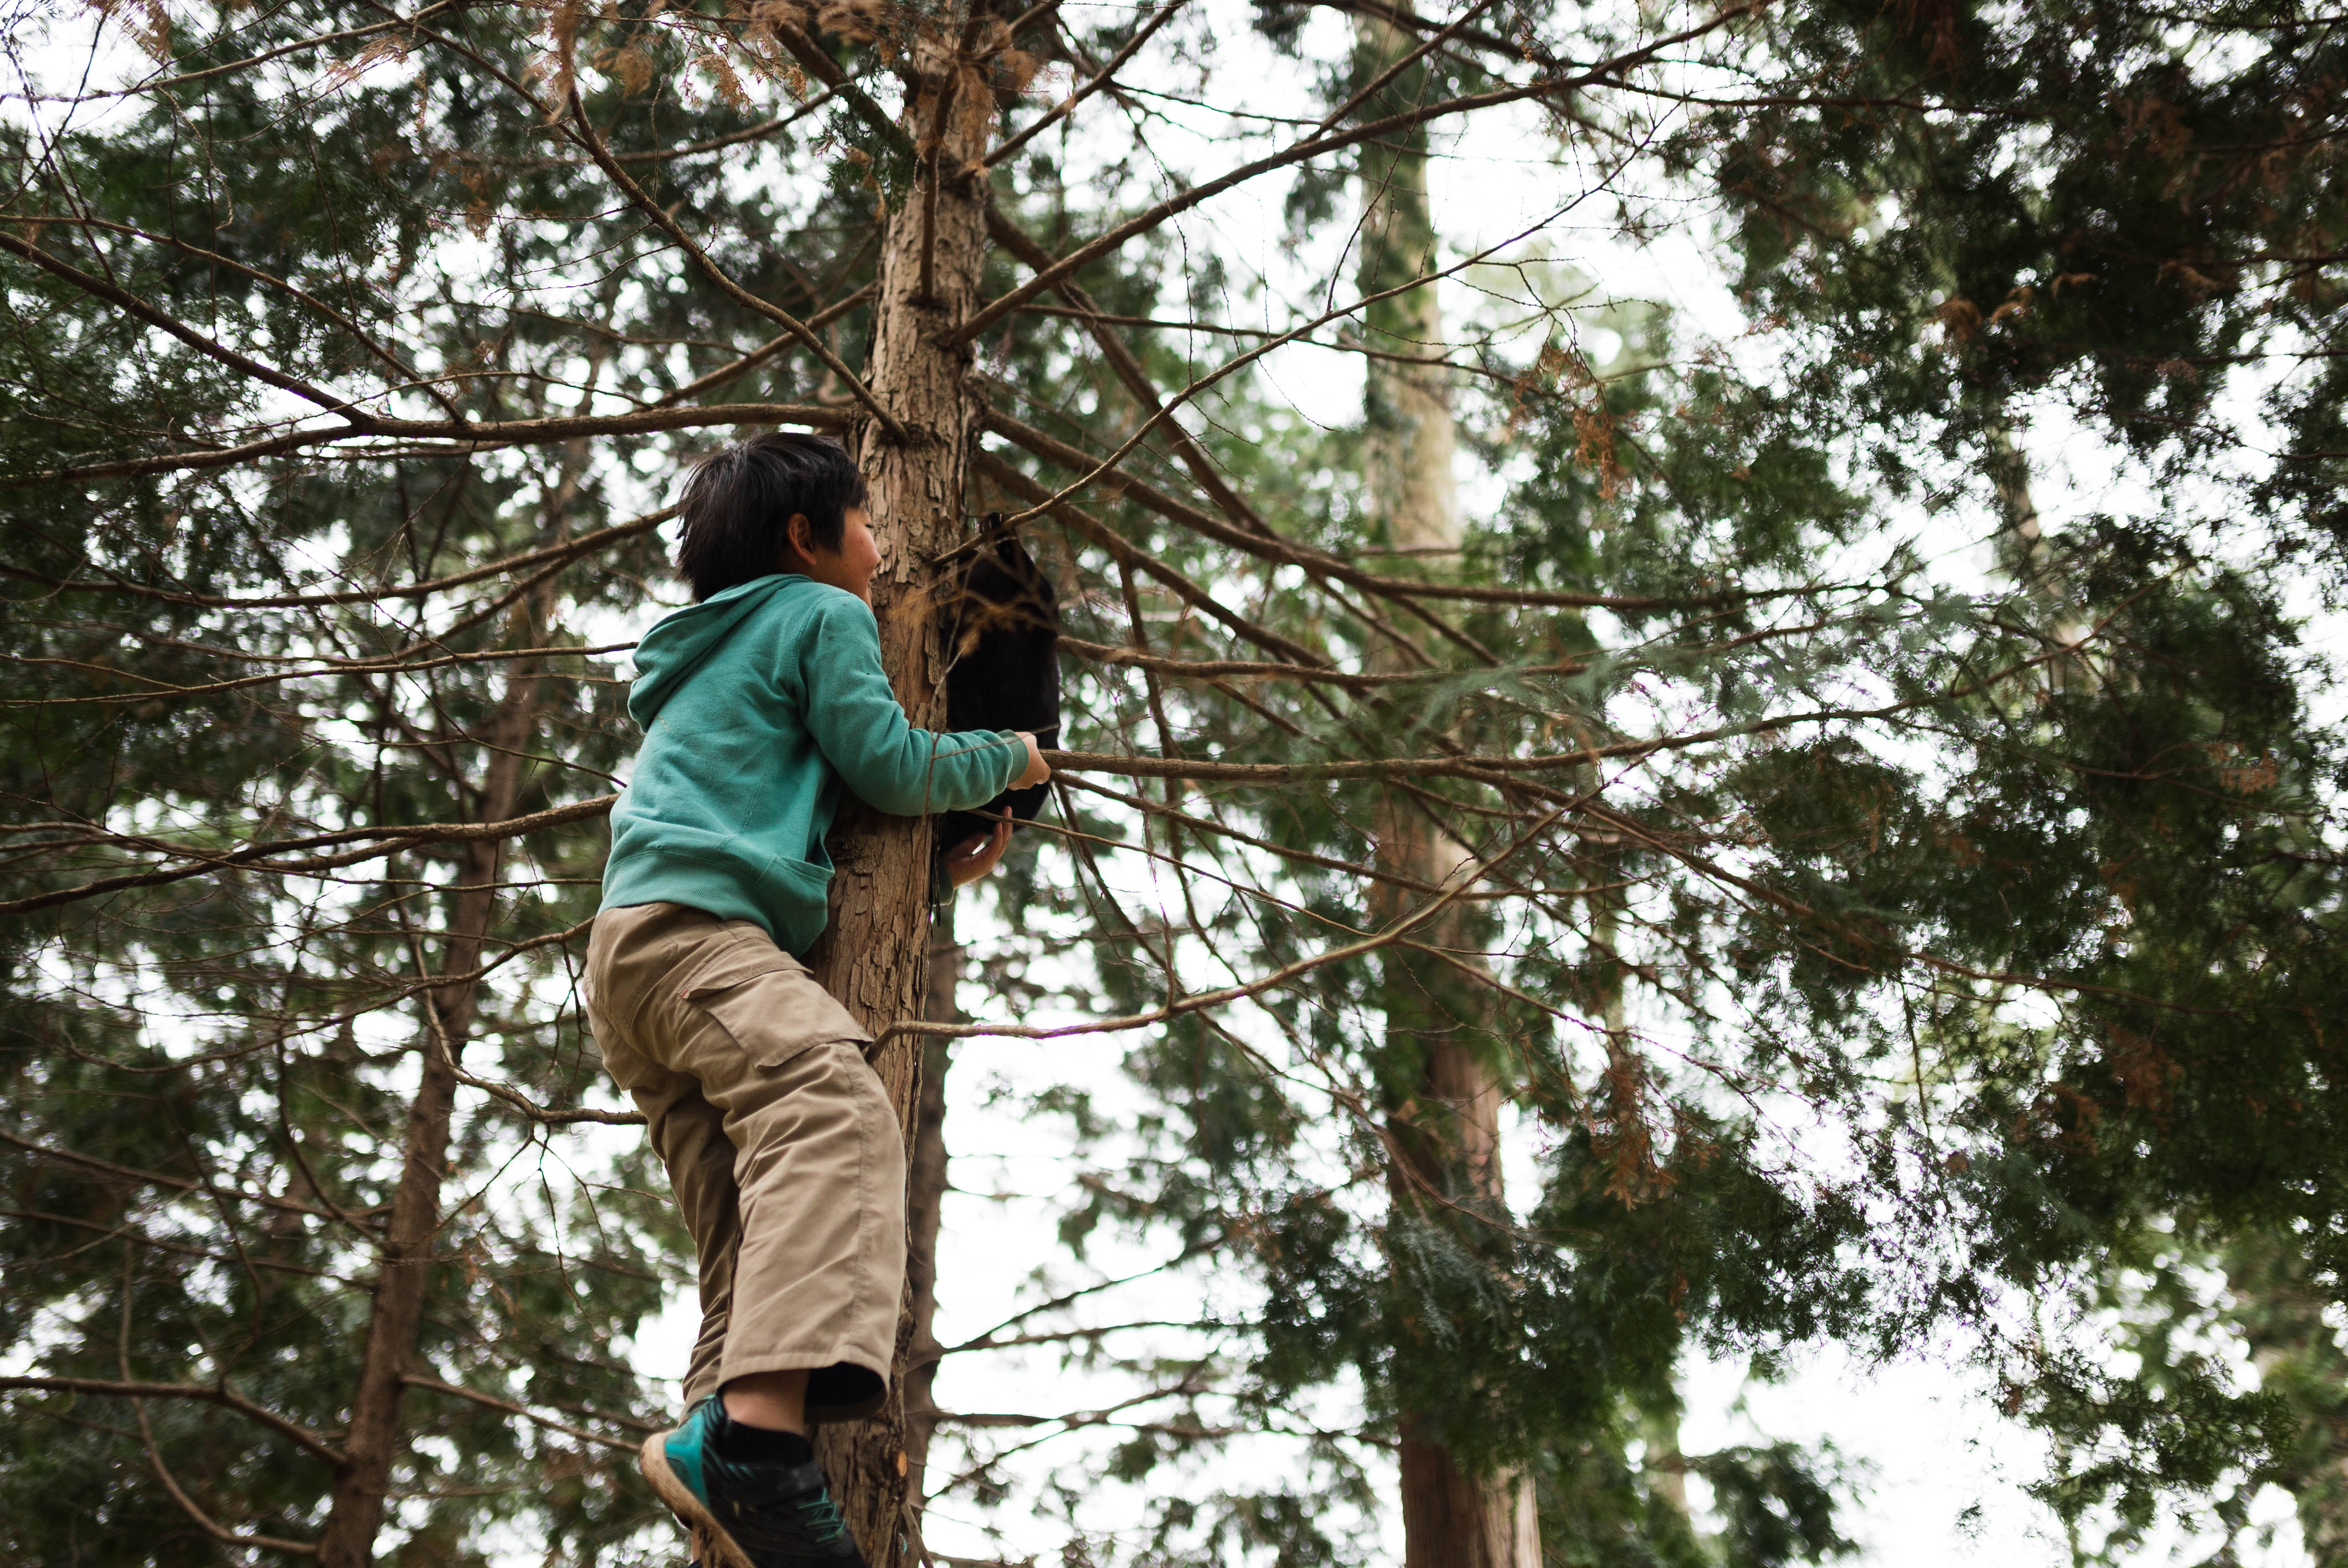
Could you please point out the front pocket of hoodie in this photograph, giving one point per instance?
(768, 1004)
(794, 892)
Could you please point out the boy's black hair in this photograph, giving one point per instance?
(732, 515)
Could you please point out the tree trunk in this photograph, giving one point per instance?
(372, 1446)
(1448, 1138)
(1446, 1124)
(1665, 1462)
(924, 1207)
(355, 1511)
(2280, 1308)
(873, 956)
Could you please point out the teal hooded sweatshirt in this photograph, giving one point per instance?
(758, 704)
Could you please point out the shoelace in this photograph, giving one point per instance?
(824, 1521)
(786, 1523)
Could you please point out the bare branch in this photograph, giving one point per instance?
(163, 84)
(549, 1422)
(1286, 974)
(1242, 668)
(585, 544)
(1272, 547)
(219, 1394)
(474, 437)
(157, 1179)
(228, 263)
(390, 840)
(132, 305)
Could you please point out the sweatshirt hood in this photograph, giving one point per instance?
(674, 648)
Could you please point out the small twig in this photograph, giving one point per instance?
(540, 1113)
(1100, 78)
(509, 1408)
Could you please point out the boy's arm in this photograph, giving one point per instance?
(862, 730)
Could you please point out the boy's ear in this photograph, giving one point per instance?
(800, 533)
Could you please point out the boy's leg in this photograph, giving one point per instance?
(686, 1131)
(774, 1400)
(688, 1134)
(819, 1167)
(790, 1167)
(786, 1157)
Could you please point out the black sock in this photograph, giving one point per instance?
(743, 1443)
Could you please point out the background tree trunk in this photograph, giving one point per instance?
(874, 954)
(373, 1445)
(1447, 1121)
(2281, 1310)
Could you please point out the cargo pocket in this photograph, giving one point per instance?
(768, 1004)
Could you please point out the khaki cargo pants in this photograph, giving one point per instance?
(780, 1144)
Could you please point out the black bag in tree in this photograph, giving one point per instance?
(1001, 621)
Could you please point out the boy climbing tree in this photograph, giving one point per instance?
(760, 702)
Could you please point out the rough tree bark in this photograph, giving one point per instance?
(1446, 1123)
(874, 955)
(925, 1208)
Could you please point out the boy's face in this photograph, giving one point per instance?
(850, 567)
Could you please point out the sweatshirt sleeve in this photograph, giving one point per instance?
(855, 718)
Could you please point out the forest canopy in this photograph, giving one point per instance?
(1696, 725)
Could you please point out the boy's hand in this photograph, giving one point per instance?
(973, 857)
(1038, 770)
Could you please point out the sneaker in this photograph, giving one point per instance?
(746, 1515)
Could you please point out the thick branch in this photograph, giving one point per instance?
(132, 305)
(479, 438)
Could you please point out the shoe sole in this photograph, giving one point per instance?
(653, 1459)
